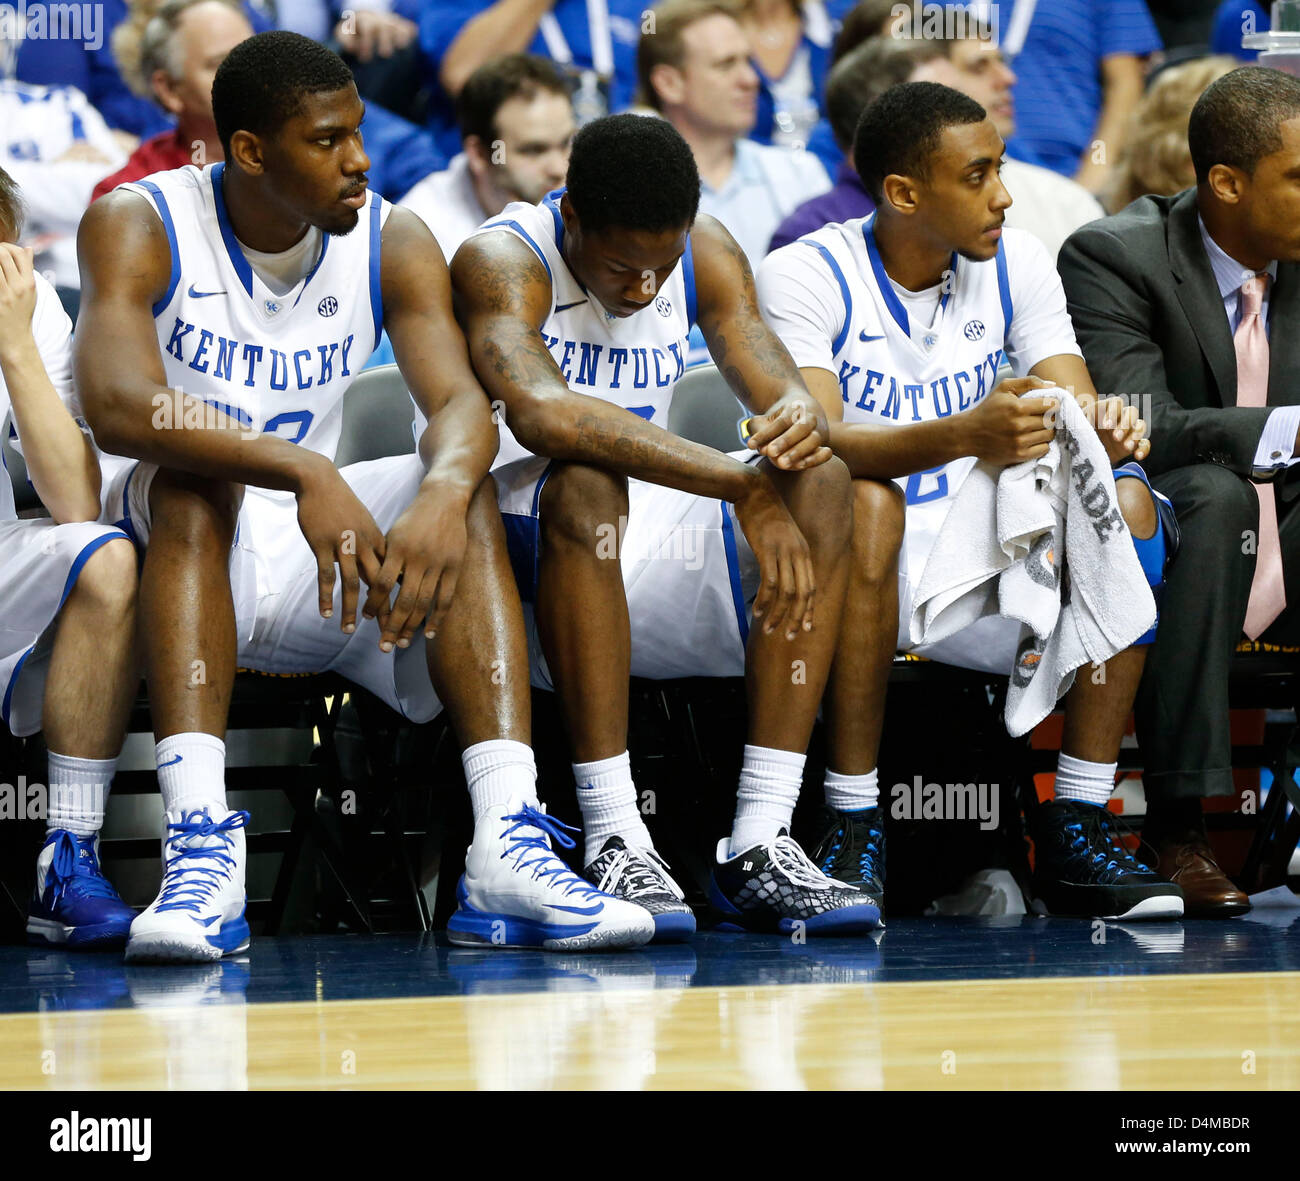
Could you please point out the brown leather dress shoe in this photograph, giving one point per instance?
(1185, 858)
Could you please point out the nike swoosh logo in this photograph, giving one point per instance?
(203, 294)
(579, 909)
(864, 337)
(210, 920)
(171, 762)
(564, 307)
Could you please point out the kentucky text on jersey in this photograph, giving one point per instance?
(226, 359)
(638, 367)
(891, 397)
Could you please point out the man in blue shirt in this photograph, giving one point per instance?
(1080, 71)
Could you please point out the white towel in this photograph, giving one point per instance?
(1042, 542)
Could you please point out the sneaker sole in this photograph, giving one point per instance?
(851, 920)
(673, 926)
(1154, 909)
(50, 933)
(167, 947)
(476, 928)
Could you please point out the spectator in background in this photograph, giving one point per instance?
(1079, 68)
(695, 71)
(593, 42)
(1232, 21)
(90, 65)
(173, 60)
(1156, 157)
(790, 42)
(55, 145)
(170, 52)
(1048, 205)
(516, 124)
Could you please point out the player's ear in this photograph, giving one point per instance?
(246, 150)
(900, 192)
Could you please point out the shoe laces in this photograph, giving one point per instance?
(1102, 823)
(639, 873)
(75, 868)
(195, 871)
(796, 865)
(858, 840)
(526, 841)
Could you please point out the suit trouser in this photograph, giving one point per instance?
(1182, 702)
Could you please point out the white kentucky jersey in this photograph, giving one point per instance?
(905, 357)
(278, 364)
(633, 361)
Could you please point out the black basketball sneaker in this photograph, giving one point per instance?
(774, 887)
(639, 875)
(853, 851)
(1081, 868)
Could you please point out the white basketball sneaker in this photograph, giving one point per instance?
(199, 912)
(516, 892)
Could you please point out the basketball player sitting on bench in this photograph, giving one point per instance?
(225, 311)
(67, 660)
(577, 312)
(897, 322)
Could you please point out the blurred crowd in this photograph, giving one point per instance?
(471, 104)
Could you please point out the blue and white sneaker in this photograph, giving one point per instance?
(199, 912)
(73, 904)
(516, 892)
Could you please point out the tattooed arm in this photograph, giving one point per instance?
(791, 429)
(503, 298)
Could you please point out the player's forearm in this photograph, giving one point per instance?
(507, 27)
(887, 452)
(459, 444)
(173, 430)
(60, 459)
(581, 429)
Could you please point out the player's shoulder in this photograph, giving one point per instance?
(825, 252)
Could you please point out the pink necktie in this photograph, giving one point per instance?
(1267, 591)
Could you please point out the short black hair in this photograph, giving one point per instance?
(263, 81)
(496, 82)
(900, 131)
(1237, 121)
(633, 172)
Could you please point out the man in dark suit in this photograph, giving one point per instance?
(1192, 304)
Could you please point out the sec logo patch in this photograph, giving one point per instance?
(328, 306)
(974, 330)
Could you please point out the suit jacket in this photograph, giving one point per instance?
(1150, 321)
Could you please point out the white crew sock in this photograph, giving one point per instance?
(498, 771)
(607, 797)
(852, 793)
(192, 773)
(78, 793)
(1078, 779)
(769, 789)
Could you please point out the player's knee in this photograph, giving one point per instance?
(578, 501)
(195, 508)
(108, 580)
(1137, 506)
(821, 500)
(879, 518)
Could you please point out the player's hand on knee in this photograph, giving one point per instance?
(1011, 425)
(793, 434)
(424, 553)
(787, 585)
(342, 534)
